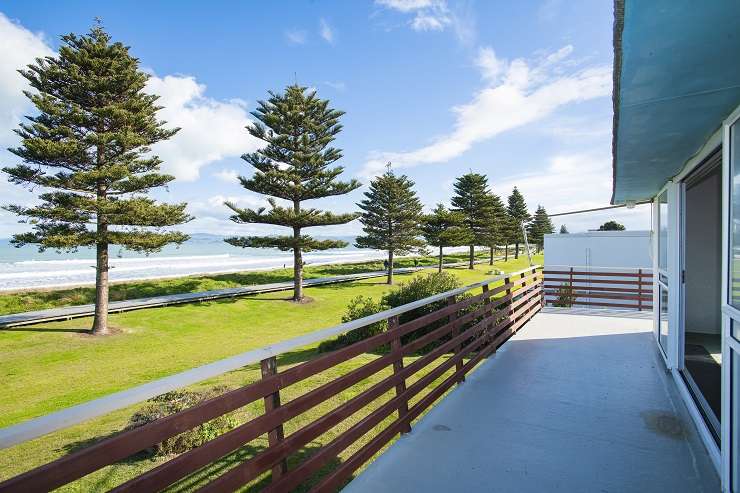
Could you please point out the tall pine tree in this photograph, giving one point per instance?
(539, 227)
(472, 200)
(495, 232)
(391, 213)
(564, 230)
(445, 228)
(295, 165)
(517, 210)
(89, 150)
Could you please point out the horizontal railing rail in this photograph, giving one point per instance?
(598, 288)
(466, 326)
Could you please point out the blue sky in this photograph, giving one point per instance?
(520, 91)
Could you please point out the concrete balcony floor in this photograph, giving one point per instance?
(574, 402)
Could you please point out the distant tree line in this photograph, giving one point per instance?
(88, 150)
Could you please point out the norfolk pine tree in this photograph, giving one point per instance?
(88, 149)
(444, 228)
(472, 200)
(295, 165)
(495, 224)
(539, 227)
(564, 230)
(391, 213)
(517, 209)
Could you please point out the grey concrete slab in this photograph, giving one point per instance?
(573, 403)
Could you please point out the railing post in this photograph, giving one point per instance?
(455, 332)
(403, 406)
(571, 291)
(507, 281)
(272, 402)
(488, 314)
(542, 286)
(639, 290)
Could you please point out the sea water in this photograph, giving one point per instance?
(26, 268)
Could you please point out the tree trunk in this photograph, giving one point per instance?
(471, 259)
(100, 322)
(390, 266)
(516, 251)
(297, 258)
(506, 252)
(490, 261)
(439, 268)
(297, 274)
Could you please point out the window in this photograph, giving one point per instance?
(734, 274)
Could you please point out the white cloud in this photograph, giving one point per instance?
(211, 130)
(20, 48)
(326, 31)
(572, 182)
(228, 175)
(337, 85)
(521, 93)
(429, 15)
(491, 67)
(426, 22)
(296, 37)
(406, 5)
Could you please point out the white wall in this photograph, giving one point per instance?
(614, 249)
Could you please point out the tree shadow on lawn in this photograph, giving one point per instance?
(43, 329)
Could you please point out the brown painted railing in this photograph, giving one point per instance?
(470, 326)
(579, 286)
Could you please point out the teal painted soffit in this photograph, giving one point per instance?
(676, 78)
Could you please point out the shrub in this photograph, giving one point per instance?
(565, 296)
(418, 288)
(359, 307)
(172, 402)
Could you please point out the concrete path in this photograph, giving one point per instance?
(77, 311)
(572, 403)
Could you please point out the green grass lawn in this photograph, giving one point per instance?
(56, 365)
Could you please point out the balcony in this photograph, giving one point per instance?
(574, 402)
(488, 390)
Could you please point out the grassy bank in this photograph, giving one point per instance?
(23, 301)
(53, 366)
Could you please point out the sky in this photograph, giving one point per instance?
(518, 91)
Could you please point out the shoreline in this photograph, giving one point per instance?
(77, 285)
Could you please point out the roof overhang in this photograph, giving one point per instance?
(676, 78)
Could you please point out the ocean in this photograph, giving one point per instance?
(26, 268)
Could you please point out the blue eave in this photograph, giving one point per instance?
(677, 77)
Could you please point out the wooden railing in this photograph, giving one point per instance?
(597, 287)
(467, 328)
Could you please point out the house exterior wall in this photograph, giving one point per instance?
(610, 249)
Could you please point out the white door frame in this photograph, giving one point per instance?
(729, 313)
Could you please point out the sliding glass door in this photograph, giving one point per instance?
(731, 308)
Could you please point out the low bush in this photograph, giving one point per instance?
(418, 288)
(359, 307)
(176, 401)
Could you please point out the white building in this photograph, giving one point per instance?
(612, 249)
